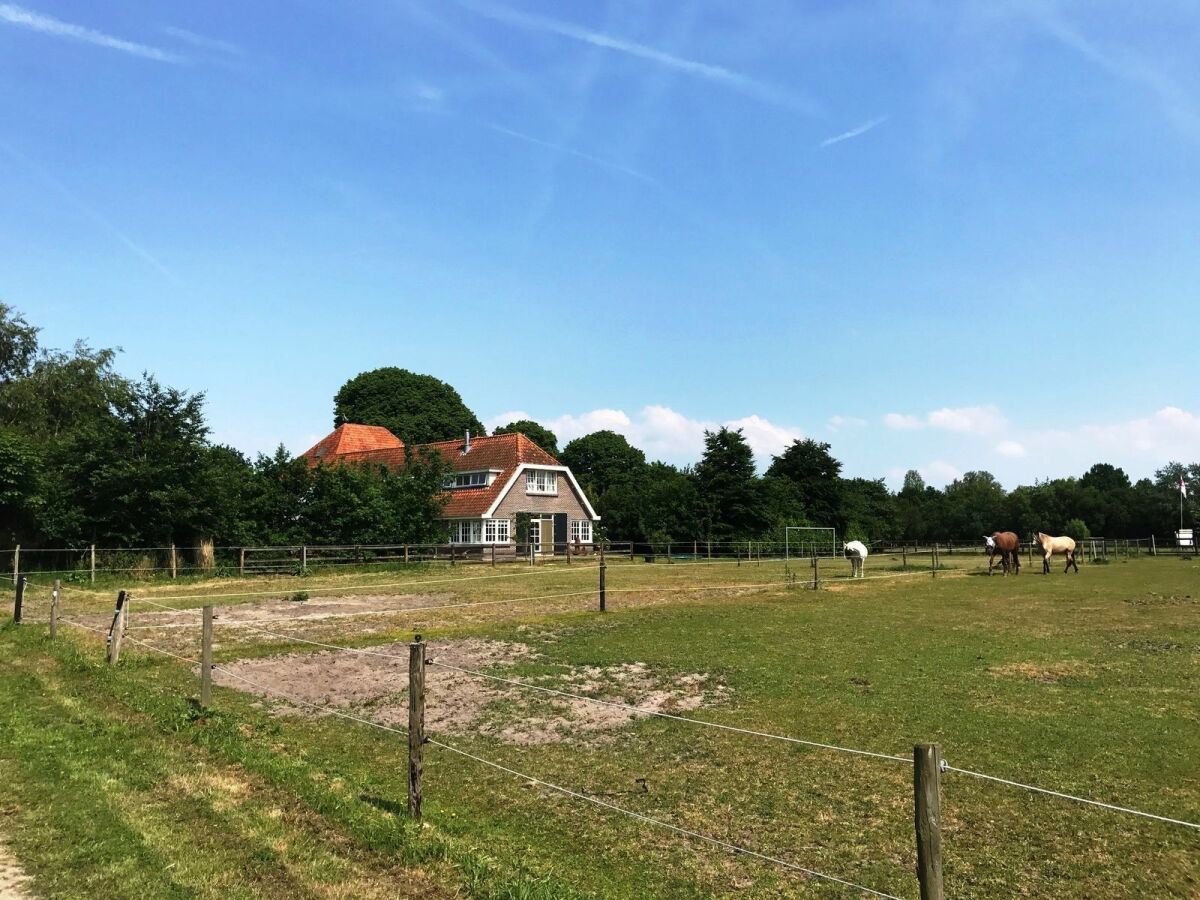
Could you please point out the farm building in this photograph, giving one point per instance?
(497, 484)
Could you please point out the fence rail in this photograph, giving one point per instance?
(146, 563)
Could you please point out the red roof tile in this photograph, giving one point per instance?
(349, 438)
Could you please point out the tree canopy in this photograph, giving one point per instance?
(540, 435)
(416, 408)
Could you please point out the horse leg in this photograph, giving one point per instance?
(1071, 562)
(1046, 563)
(991, 558)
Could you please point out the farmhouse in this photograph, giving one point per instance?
(497, 485)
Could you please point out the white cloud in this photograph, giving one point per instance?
(1012, 449)
(962, 419)
(429, 93)
(662, 432)
(764, 437)
(939, 472)
(854, 132)
(967, 419)
(16, 15)
(902, 422)
(836, 423)
(1169, 433)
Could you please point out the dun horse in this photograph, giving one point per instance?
(1008, 545)
(1052, 546)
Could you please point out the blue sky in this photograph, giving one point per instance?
(941, 235)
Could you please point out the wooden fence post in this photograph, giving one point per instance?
(54, 594)
(603, 567)
(669, 559)
(406, 554)
(452, 554)
(1153, 549)
(816, 573)
(303, 558)
(93, 563)
(904, 556)
(416, 723)
(206, 642)
(16, 562)
(242, 561)
(493, 556)
(927, 794)
(174, 561)
(18, 599)
(695, 551)
(116, 631)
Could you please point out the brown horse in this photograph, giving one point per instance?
(1008, 545)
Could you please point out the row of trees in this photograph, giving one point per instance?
(722, 497)
(88, 455)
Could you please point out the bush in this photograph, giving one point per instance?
(299, 597)
(1076, 529)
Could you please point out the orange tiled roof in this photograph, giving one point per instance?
(502, 451)
(349, 438)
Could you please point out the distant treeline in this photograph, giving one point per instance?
(722, 498)
(90, 456)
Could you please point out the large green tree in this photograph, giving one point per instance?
(817, 476)
(416, 408)
(600, 460)
(137, 476)
(728, 487)
(974, 506)
(539, 434)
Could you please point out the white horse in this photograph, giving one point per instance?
(856, 552)
(1052, 546)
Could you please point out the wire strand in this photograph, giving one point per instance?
(1109, 806)
(309, 703)
(566, 791)
(745, 851)
(672, 716)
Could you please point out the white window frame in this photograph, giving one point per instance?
(496, 531)
(541, 482)
(580, 531)
(458, 480)
(480, 531)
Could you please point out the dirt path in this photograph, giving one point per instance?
(12, 877)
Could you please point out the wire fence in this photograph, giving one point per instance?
(86, 563)
(116, 633)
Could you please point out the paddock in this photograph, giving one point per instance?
(713, 700)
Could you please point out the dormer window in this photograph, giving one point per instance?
(541, 481)
(481, 478)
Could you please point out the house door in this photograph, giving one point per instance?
(545, 537)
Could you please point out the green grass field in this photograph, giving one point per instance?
(117, 784)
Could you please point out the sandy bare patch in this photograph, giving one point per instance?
(12, 877)
(375, 686)
(1045, 673)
